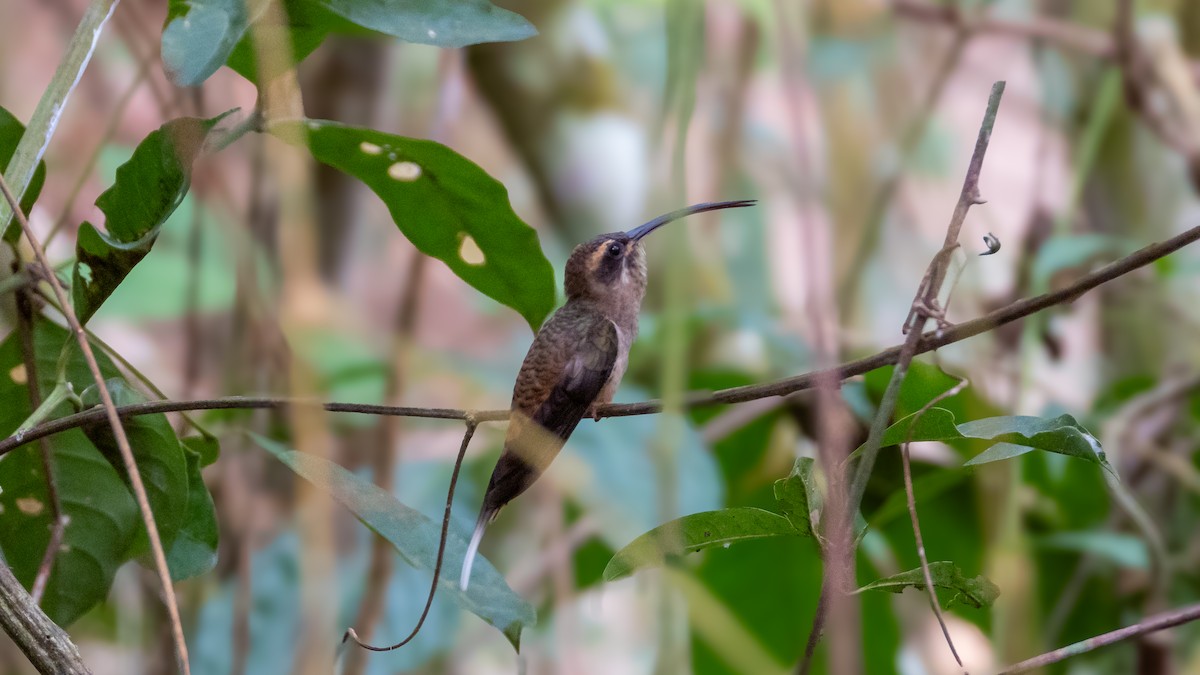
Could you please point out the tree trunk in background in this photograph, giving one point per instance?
(348, 73)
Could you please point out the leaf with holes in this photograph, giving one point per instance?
(11, 131)
(448, 207)
(103, 518)
(415, 537)
(148, 189)
(695, 533)
(977, 592)
(160, 458)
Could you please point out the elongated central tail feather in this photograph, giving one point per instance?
(473, 548)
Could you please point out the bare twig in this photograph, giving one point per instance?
(782, 387)
(1155, 623)
(437, 566)
(1067, 35)
(924, 305)
(926, 297)
(910, 495)
(58, 520)
(383, 467)
(114, 420)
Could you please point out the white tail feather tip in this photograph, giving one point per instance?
(469, 561)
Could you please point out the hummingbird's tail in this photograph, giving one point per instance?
(485, 516)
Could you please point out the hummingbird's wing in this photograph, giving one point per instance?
(534, 439)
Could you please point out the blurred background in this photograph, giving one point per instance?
(852, 123)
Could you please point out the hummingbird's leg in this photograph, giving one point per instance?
(594, 412)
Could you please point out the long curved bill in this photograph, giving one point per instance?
(643, 230)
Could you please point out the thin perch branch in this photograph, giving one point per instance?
(782, 387)
(1154, 623)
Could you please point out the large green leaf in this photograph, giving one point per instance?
(307, 25)
(415, 537)
(695, 533)
(977, 592)
(148, 189)
(103, 518)
(160, 459)
(447, 206)
(1061, 434)
(194, 551)
(11, 131)
(200, 34)
(441, 23)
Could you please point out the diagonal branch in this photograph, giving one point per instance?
(44, 643)
(114, 420)
(1150, 625)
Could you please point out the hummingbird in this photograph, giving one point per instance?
(576, 360)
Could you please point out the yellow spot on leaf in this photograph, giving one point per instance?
(406, 171)
(370, 148)
(470, 252)
(30, 506)
(18, 374)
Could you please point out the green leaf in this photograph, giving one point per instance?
(103, 518)
(202, 35)
(695, 533)
(206, 448)
(199, 36)
(194, 551)
(441, 23)
(11, 131)
(1061, 434)
(977, 592)
(1013, 435)
(937, 424)
(308, 24)
(148, 189)
(447, 206)
(799, 497)
(160, 459)
(415, 537)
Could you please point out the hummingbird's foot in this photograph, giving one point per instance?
(594, 413)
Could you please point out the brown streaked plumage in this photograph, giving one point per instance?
(576, 360)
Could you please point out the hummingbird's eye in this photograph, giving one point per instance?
(614, 249)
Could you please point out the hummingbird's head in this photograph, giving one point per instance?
(609, 266)
(613, 266)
